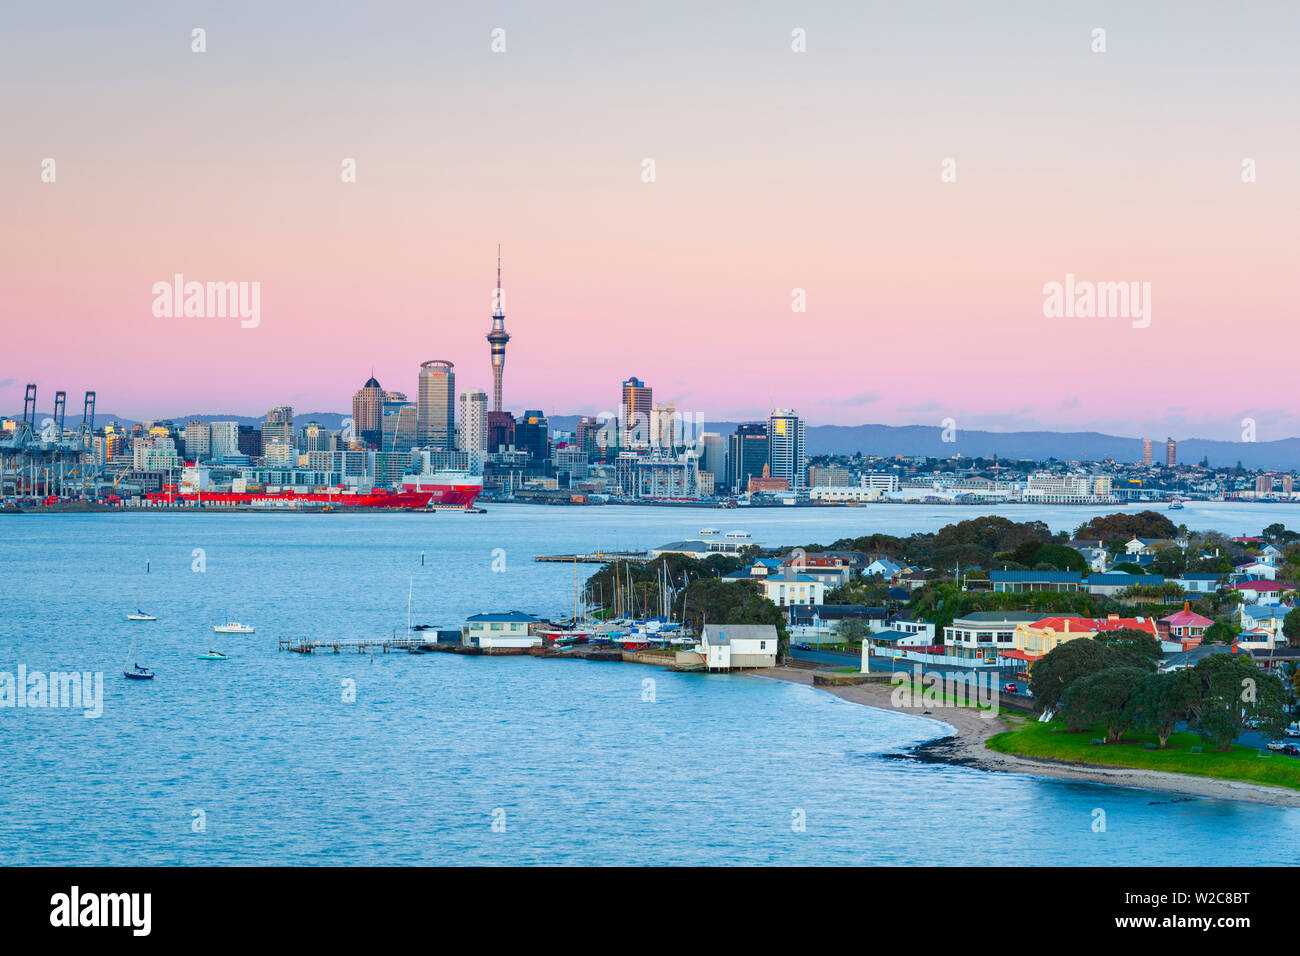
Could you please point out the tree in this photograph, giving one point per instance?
(1229, 690)
(1103, 698)
(1130, 647)
(852, 630)
(1291, 627)
(1219, 633)
(1129, 567)
(711, 601)
(1160, 702)
(1059, 668)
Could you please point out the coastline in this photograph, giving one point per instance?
(966, 747)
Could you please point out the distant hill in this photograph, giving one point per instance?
(914, 440)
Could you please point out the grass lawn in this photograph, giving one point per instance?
(1034, 739)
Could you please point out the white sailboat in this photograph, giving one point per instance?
(138, 614)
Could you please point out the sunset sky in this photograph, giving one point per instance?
(775, 170)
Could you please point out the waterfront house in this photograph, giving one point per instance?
(1115, 582)
(501, 630)
(1042, 636)
(727, 647)
(1018, 581)
(1186, 625)
(981, 634)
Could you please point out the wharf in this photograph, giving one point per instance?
(596, 557)
(362, 645)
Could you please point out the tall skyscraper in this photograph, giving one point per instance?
(498, 337)
(224, 439)
(367, 408)
(198, 440)
(437, 416)
(1146, 451)
(471, 424)
(785, 448)
(1171, 452)
(500, 431)
(713, 456)
(638, 400)
(746, 455)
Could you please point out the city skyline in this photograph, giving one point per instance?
(914, 286)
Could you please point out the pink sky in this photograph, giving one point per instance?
(775, 171)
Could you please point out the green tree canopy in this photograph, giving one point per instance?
(1103, 697)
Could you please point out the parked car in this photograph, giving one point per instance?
(1291, 750)
(1277, 744)
(1010, 688)
(803, 646)
(1292, 732)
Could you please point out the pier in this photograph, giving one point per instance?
(303, 645)
(596, 557)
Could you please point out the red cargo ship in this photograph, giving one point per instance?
(443, 489)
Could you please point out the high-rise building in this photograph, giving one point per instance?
(471, 423)
(225, 439)
(532, 435)
(437, 417)
(785, 448)
(367, 410)
(498, 337)
(313, 437)
(663, 426)
(198, 440)
(638, 400)
(500, 431)
(713, 456)
(250, 441)
(1147, 457)
(585, 435)
(746, 455)
(1171, 452)
(278, 425)
(399, 421)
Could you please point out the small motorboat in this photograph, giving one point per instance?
(233, 627)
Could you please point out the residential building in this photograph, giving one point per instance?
(1018, 581)
(1186, 625)
(224, 439)
(980, 635)
(788, 586)
(471, 423)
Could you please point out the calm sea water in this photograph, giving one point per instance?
(435, 748)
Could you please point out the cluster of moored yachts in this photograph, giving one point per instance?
(133, 669)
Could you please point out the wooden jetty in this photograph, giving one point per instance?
(362, 645)
(596, 557)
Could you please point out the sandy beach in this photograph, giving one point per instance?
(967, 748)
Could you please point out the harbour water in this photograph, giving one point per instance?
(568, 759)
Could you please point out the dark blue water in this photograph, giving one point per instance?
(567, 754)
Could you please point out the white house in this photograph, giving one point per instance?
(1260, 592)
(787, 587)
(1259, 569)
(501, 630)
(731, 646)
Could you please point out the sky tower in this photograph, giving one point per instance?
(498, 337)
